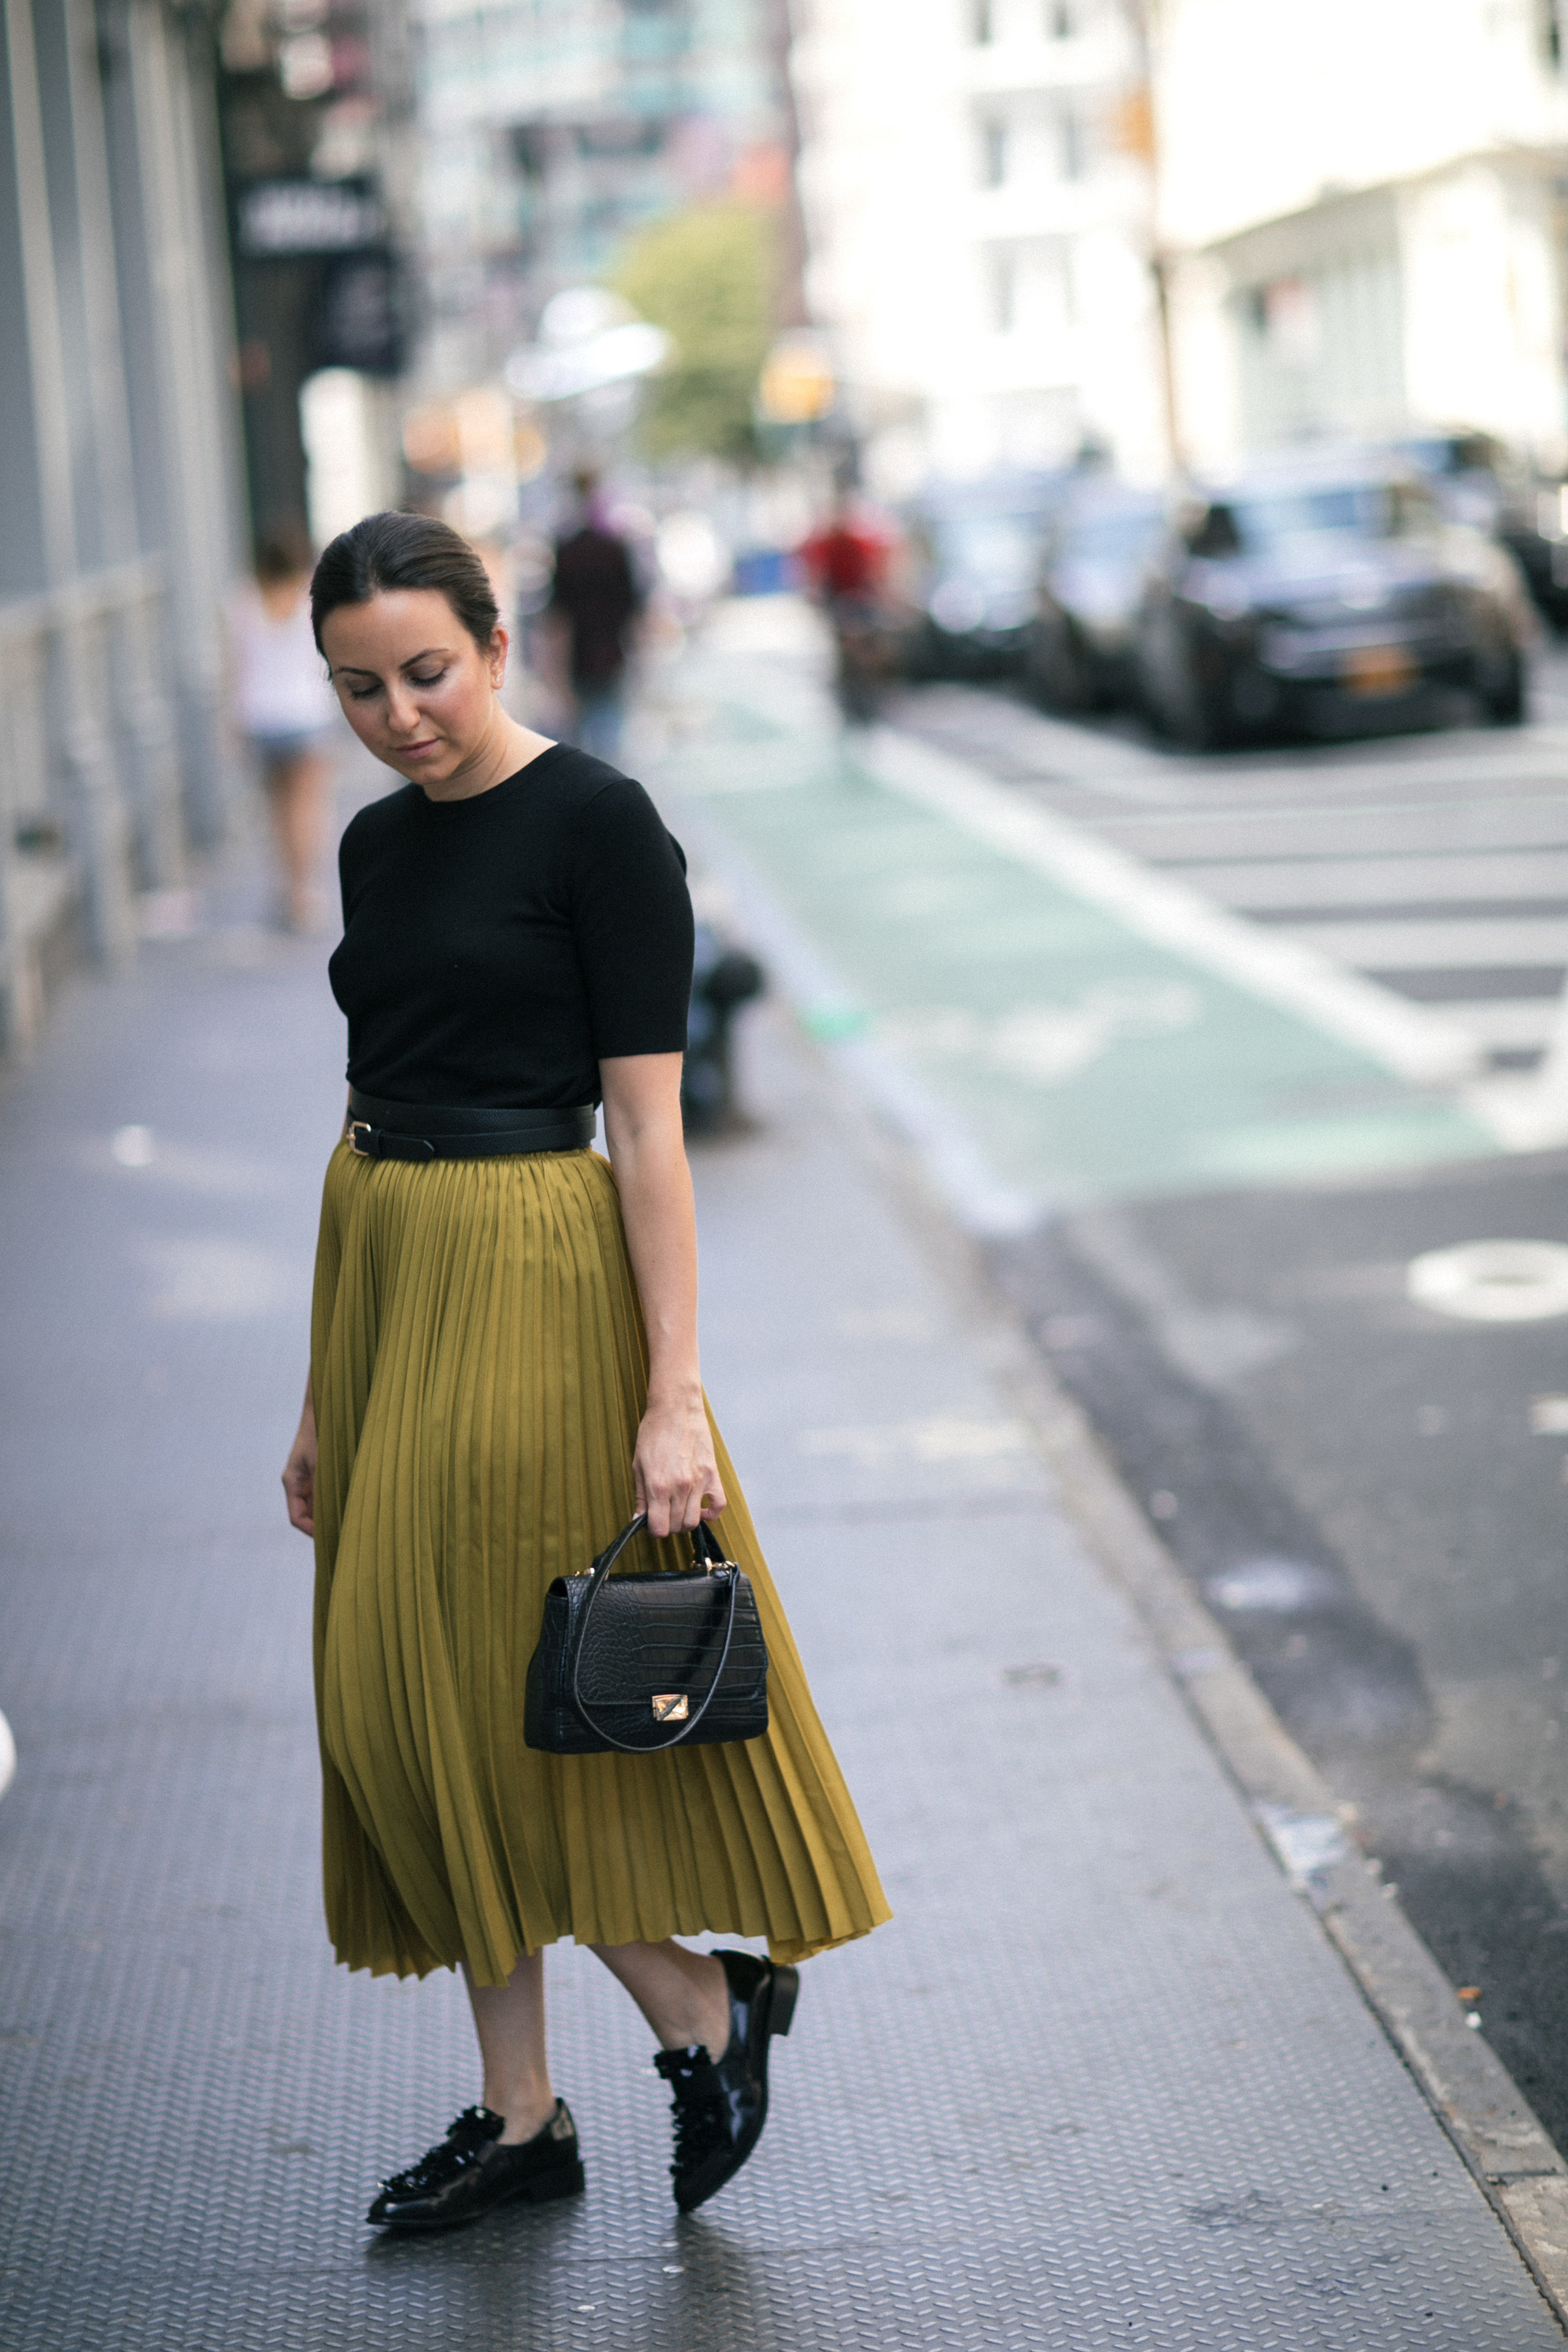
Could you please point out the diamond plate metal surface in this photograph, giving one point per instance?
(1103, 2082)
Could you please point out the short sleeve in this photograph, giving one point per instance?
(632, 920)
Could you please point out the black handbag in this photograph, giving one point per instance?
(645, 1663)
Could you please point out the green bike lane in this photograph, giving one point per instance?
(1088, 1060)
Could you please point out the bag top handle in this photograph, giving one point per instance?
(706, 1552)
(705, 1547)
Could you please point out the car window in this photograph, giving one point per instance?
(1265, 522)
(988, 547)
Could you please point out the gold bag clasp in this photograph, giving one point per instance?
(671, 1706)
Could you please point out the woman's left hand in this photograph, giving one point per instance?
(676, 1475)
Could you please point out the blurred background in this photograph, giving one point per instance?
(1071, 497)
(997, 273)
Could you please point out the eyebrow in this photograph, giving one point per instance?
(359, 672)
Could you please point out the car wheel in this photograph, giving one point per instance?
(1502, 694)
(1191, 719)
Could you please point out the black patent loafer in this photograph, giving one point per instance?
(469, 2172)
(719, 2107)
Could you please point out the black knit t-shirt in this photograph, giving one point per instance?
(495, 950)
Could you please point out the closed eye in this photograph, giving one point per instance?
(364, 693)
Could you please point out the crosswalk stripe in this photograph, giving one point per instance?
(1259, 885)
(1457, 945)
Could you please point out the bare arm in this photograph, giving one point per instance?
(676, 1475)
(300, 1470)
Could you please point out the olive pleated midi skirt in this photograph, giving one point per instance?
(479, 1368)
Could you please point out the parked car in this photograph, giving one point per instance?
(1534, 526)
(973, 552)
(1312, 590)
(1478, 479)
(1078, 644)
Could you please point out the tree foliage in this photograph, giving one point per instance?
(706, 276)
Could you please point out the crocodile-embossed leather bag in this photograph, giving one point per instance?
(645, 1662)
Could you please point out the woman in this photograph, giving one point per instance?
(285, 709)
(503, 1367)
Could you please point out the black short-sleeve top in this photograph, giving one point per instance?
(495, 950)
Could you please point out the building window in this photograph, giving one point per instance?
(1004, 292)
(993, 151)
(1072, 145)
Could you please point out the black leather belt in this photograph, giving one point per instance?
(393, 1131)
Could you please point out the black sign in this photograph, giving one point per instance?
(357, 320)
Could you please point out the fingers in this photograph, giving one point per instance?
(677, 1509)
(299, 1496)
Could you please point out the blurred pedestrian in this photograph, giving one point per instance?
(846, 563)
(286, 709)
(503, 1368)
(595, 599)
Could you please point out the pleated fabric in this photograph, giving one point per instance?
(479, 1368)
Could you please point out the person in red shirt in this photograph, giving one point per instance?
(846, 564)
(848, 557)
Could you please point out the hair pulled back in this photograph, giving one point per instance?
(404, 550)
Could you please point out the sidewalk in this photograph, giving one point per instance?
(1103, 2082)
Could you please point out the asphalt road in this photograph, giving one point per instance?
(1207, 1052)
(1372, 1494)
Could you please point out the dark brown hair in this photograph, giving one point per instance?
(404, 551)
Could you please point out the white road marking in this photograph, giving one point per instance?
(1254, 885)
(1416, 1045)
(1492, 1281)
(1506, 1023)
(1459, 945)
(1452, 828)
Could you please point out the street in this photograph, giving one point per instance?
(1204, 1197)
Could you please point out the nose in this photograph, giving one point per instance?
(401, 710)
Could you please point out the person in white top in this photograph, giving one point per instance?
(286, 709)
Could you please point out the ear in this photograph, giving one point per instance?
(496, 658)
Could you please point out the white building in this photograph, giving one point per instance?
(1361, 209)
(975, 180)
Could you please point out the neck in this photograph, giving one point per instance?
(505, 747)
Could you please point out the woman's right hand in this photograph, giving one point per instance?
(299, 1474)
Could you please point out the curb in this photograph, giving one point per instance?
(1471, 2092)
(1468, 2089)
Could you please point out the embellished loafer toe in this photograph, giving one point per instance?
(469, 2172)
(721, 2106)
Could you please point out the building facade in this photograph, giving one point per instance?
(977, 188)
(121, 489)
(549, 130)
(1361, 211)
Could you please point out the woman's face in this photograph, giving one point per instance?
(416, 689)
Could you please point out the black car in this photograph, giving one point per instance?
(1078, 647)
(975, 548)
(1309, 595)
(1476, 479)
